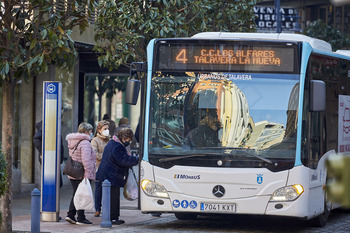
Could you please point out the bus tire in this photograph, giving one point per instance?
(321, 220)
(186, 216)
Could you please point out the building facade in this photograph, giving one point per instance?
(296, 15)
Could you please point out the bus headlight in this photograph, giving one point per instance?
(288, 193)
(153, 189)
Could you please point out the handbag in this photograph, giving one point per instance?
(74, 168)
(83, 198)
(131, 191)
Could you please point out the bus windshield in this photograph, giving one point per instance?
(224, 103)
(223, 116)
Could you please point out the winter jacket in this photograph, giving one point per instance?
(115, 164)
(84, 153)
(98, 143)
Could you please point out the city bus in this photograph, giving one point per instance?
(241, 123)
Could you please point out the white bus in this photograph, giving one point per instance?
(241, 123)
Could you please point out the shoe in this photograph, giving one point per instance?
(84, 222)
(97, 214)
(71, 220)
(118, 222)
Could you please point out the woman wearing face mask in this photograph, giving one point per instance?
(115, 165)
(98, 143)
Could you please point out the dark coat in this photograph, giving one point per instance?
(112, 127)
(37, 139)
(115, 164)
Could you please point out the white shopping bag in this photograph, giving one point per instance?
(131, 191)
(83, 198)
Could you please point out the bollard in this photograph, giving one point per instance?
(106, 204)
(35, 211)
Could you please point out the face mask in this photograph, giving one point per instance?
(91, 135)
(105, 132)
(126, 144)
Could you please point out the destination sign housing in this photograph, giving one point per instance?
(227, 56)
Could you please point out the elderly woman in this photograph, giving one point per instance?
(98, 143)
(115, 164)
(81, 150)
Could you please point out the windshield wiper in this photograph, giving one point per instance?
(184, 156)
(205, 154)
(256, 156)
(242, 150)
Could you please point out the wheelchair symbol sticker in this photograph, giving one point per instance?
(193, 204)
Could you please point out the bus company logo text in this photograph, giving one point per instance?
(187, 177)
(221, 76)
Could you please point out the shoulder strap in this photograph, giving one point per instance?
(76, 147)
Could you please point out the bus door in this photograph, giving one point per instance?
(314, 129)
(316, 138)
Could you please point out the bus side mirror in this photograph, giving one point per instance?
(132, 91)
(137, 70)
(317, 96)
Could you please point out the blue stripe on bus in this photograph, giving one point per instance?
(150, 49)
(307, 49)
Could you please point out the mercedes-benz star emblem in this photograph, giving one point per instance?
(218, 191)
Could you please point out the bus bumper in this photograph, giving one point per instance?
(259, 205)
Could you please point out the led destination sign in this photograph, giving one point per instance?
(227, 57)
(249, 57)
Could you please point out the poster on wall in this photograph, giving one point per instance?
(265, 19)
(344, 124)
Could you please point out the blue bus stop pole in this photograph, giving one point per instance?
(35, 211)
(106, 204)
(50, 169)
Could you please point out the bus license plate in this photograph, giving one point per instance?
(223, 208)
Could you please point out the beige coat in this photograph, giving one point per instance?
(98, 143)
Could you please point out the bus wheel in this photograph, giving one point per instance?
(321, 220)
(186, 216)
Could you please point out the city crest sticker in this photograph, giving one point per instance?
(259, 178)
